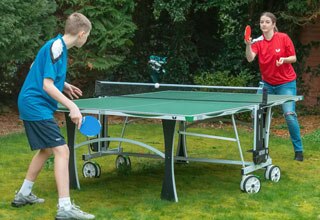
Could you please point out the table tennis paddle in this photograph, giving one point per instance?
(90, 126)
(247, 33)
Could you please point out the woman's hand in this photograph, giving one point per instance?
(280, 61)
(248, 42)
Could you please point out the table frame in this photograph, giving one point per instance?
(260, 148)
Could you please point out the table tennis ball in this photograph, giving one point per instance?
(157, 85)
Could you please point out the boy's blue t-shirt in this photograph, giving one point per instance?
(51, 62)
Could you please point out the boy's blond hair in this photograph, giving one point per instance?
(77, 22)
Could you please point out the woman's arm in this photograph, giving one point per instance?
(290, 59)
(250, 55)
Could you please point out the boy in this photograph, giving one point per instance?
(37, 102)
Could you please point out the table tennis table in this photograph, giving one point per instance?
(176, 109)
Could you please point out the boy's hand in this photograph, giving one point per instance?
(76, 116)
(72, 91)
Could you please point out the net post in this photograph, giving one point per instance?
(264, 96)
(97, 89)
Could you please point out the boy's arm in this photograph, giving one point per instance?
(54, 92)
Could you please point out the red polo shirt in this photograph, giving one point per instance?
(268, 51)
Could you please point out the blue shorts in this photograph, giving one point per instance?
(43, 134)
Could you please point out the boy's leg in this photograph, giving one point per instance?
(66, 210)
(34, 169)
(24, 196)
(61, 170)
(37, 163)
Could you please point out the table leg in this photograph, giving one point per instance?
(169, 186)
(182, 142)
(73, 174)
(260, 153)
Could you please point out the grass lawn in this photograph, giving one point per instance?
(205, 191)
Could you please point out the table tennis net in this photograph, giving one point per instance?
(175, 92)
(104, 88)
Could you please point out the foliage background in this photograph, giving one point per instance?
(201, 39)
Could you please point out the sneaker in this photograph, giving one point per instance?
(21, 200)
(298, 156)
(73, 213)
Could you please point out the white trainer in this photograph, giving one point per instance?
(73, 213)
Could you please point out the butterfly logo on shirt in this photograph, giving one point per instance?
(277, 50)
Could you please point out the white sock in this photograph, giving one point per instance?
(26, 187)
(65, 202)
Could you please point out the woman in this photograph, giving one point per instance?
(276, 52)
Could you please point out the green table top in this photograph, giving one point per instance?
(178, 105)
